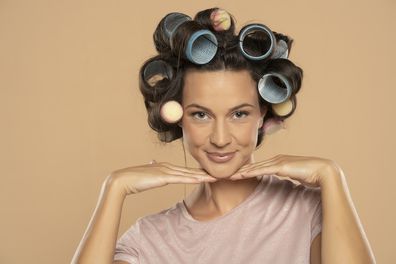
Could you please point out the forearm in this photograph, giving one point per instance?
(343, 236)
(98, 243)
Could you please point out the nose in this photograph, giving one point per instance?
(220, 135)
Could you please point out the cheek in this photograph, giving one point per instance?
(247, 135)
(193, 135)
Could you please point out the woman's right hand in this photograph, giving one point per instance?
(140, 178)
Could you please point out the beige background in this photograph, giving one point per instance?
(71, 111)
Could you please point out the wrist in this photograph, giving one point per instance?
(114, 186)
(331, 174)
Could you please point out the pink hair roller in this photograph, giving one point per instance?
(272, 125)
(221, 20)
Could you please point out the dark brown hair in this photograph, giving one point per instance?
(228, 57)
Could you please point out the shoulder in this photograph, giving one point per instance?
(161, 217)
(284, 188)
(146, 225)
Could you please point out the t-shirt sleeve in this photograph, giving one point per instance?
(127, 246)
(316, 221)
(313, 202)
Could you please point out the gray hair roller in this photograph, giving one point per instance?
(272, 92)
(273, 87)
(157, 68)
(274, 49)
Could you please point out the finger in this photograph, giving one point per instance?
(186, 179)
(269, 162)
(191, 171)
(255, 164)
(264, 170)
(270, 168)
(240, 176)
(186, 169)
(189, 174)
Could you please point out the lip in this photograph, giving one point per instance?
(215, 157)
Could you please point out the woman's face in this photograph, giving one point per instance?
(221, 114)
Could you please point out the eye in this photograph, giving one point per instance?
(200, 115)
(194, 114)
(242, 113)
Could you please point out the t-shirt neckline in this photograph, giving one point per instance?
(189, 217)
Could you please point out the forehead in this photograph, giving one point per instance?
(219, 87)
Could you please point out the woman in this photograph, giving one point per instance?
(221, 93)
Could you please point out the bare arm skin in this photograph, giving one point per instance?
(99, 240)
(315, 254)
(98, 243)
(343, 237)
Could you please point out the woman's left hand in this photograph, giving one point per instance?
(307, 170)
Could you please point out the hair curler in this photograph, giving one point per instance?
(220, 20)
(157, 70)
(274, 88)
(258, 42)
(285, 108)
(171, 111)
(201, 45)
(281, 50)
(272, 125)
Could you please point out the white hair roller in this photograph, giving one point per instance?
(171, 112)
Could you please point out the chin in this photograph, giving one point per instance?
(221, 170)
(219, 174)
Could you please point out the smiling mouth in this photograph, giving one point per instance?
(220, 158)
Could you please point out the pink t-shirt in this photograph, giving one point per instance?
(276, 223)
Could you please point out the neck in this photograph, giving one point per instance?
(224, 195)
(217, 198)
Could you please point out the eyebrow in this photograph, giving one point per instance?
(207, 109)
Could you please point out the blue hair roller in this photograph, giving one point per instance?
(201, 46)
